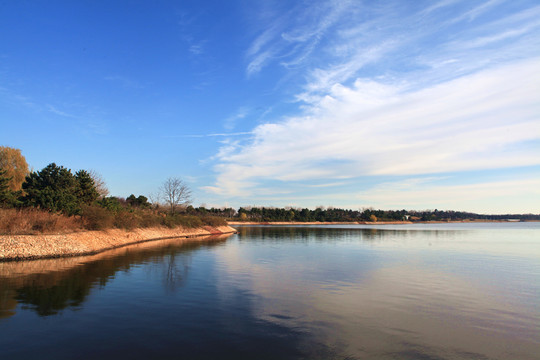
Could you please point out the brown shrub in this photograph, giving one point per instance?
(34, 221)
(97, 218)
(150, 219)
(126, 220)
(189, 221)
(213, 221)
(185, 221)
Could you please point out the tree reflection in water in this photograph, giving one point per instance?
(54, 289)
(175, 273)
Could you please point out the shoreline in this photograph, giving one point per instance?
(232, 223)
(47, 246)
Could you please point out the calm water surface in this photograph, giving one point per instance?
(456, 291)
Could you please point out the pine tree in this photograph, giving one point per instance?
(6, 195)
(55, 188)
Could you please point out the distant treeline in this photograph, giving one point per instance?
(270, 214)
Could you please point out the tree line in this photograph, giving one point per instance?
(56, 198)
(331, 214)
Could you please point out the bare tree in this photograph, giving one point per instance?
(99, 184)
(155, 200)
(174, 192)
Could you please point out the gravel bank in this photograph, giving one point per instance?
(23, 247)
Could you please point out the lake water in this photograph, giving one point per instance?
(441, 291)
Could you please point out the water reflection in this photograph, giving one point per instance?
(388, 293)
(51, 285)
(285, 293)
(324, 234)
(519, 239)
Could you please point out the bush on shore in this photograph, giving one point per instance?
(32, 221)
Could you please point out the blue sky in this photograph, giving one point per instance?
(389, 104)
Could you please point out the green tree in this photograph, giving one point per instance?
(6, 195)
(52, 188)
(111, 203)
(55, 188)
(86, 191)
(141, 201)
(15, 166)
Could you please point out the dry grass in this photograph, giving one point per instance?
(33, 221)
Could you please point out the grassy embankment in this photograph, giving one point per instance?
(34, 221)
(34, 234)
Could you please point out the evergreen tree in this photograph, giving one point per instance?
(55, 188)
(6, 196)
(86, 191)
(141, 201)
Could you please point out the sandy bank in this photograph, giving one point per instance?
(20, 247)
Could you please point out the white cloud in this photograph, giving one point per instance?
(479, 10)
(231, 121)
(512, 196)
(322, 80)
(487, 120)
(390, 90)
(263, 39)
(258, 62)
(292, 37)
(439, 5)
(488, 40)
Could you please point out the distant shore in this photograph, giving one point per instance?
(26, 247)
(316, 222)
(232, 223)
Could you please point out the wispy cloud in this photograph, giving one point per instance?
(333, 184)
(486, 120)
(479, 10)
(196, 49)
(392, 90)
(81, 117)
(338, 41)
(12, 97)
(54, 110)
(231, 121)
(439, 5)
(292, 37)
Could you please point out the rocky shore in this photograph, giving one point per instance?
(24, 247)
